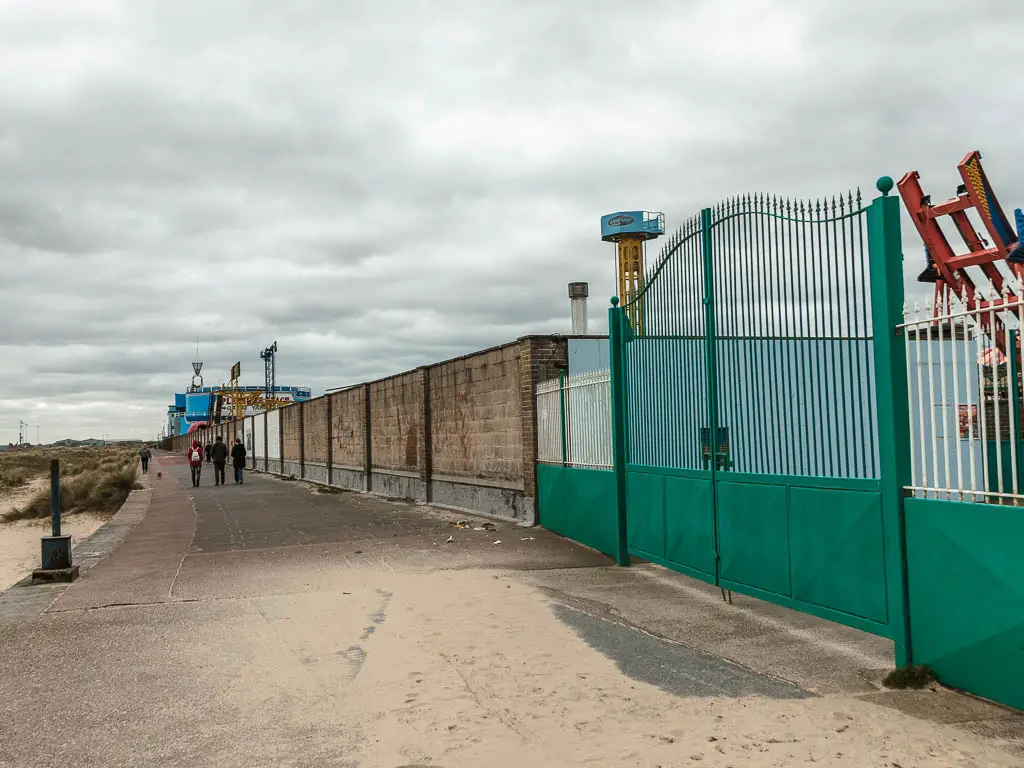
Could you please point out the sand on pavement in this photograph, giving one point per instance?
(19, 540)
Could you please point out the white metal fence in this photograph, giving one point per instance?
(964, 388)
(574, 421)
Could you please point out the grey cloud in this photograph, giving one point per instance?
(378, 187)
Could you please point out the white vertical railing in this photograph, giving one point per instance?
(549, 422)
(965, 409)
(583, 402)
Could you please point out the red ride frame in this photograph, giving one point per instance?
(977, 194)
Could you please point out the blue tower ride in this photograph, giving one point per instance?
(630, 230)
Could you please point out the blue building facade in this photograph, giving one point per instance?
(192, 409)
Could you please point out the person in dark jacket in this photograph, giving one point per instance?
(209, 450)
(145, 455)
(219, 456)
(238, 461)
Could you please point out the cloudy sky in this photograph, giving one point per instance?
(378, 185)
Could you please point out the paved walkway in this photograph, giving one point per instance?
(270, 625)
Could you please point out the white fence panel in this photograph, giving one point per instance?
(962, 409)
(274, 434)
(583, 402)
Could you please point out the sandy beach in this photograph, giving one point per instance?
(19, 541)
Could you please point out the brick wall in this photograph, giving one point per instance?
(348, 427)
(396, 405)
(315, 430)
(291, 432)
(540, 359)
(475, 419)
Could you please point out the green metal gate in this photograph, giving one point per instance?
(745, 418)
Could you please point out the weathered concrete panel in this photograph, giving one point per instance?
(348, 428)
(316, 472)
(500, 503)
(291, 430)
(475, 421)
(315, 429)
(398, 486)
(396, 414)
(350, 479)
(292, 468)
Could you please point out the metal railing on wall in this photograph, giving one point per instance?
(964, 391)
(574, 421)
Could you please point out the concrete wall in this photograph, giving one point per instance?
(315, 431)
(475, 417)
(348, 428)
(461, 433)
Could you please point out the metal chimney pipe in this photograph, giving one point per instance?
(578, 293)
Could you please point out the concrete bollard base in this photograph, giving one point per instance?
(45, 576)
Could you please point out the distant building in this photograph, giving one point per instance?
(192, 409)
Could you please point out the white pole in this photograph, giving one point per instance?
(980, 336)
(910, 399)
(994, 362)
(931, 401)
(947, 440)
(956, 411)
(920, 399)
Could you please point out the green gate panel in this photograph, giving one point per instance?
(837, 550)
(551, 499)
(965, 572)
(591, 517)
(645, 498)
(690, 523)
(579, 504)
(753, 535)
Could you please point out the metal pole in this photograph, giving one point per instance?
(886, 260)
(616, 321)
(55, 496)
(710, 366)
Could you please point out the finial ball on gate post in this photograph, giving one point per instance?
(615, 301)
(884, 185)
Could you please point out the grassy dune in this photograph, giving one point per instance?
(93, 480)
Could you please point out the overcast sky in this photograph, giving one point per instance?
(379, 185)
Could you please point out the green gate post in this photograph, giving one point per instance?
(710, 365)
(616, 322)
(890, 357)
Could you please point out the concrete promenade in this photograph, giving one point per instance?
(269, 624)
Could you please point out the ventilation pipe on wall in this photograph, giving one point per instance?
(578, 293)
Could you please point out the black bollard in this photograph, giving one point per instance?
(55, 496)
(56, 549)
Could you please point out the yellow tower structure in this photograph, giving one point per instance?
(630, 231)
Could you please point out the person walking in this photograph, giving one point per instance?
(145, 455)
(195, 462)
(219, 456)
(238, 461)
(209, 453)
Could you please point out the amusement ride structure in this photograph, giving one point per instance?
(630, 231)
(202, 406)
(990, 275)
